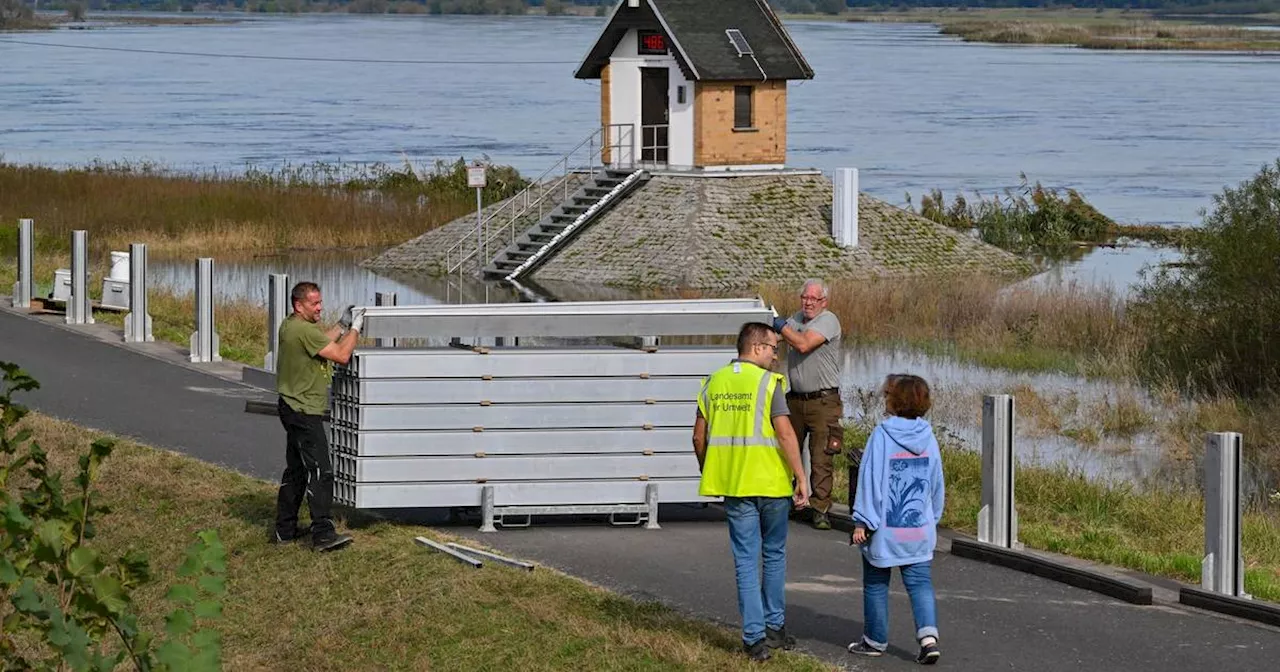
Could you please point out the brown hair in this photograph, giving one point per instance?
(906, 396)
(750, 334)
(301, 290)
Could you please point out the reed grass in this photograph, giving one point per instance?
(1133, 34)
(981, 319)
(309, 207)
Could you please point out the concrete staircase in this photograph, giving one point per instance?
(548, 235)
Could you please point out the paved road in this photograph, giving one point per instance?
(991, 618)
(118, 389)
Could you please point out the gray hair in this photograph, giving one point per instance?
(813, 282)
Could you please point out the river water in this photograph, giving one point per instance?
(1148, 137)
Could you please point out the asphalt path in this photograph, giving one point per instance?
(990, 618)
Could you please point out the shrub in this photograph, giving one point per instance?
(1031, 218)
(1213, 324)
(68, 606)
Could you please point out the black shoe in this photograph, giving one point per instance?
(779, 639)
(821, 521)
(329, 541)
(758, 652)
(862, 648)
(281, 538)
(929, 654)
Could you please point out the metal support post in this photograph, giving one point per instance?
(475, 552)
(1222, 569)
(137, 324)
(486, 509)
(26, 241)
(204, 341)
(651, 500)
(79, 309)
(279, 306)
(998, 518)
(384, 299)
(455, 554)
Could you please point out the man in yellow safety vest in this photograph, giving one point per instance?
(748, 454)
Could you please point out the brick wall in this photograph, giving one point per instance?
(716, 143)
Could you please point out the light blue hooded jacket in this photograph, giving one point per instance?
(900, 493)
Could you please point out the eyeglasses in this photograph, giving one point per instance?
(812, 299)
(770, 345)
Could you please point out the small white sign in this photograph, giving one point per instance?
(475, 177)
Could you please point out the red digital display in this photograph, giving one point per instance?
(652, 42)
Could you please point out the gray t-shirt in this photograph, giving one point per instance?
(820, 369)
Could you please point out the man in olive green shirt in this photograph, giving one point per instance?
(306, 354)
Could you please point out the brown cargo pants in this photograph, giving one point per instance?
(816, 415)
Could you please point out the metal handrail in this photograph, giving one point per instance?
(500, 225)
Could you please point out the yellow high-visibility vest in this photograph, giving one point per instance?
(743, 457)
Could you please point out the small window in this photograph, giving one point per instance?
(680, 95)
(742, 117)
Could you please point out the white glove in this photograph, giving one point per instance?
(345, 320)
(357, 319)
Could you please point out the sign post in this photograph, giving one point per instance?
(476, 180)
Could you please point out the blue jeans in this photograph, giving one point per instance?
(918, 581)
(758, 526)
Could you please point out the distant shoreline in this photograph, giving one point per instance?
(1110, 29)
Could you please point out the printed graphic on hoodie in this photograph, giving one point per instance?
(908, 491)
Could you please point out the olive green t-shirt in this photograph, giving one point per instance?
(302, 376)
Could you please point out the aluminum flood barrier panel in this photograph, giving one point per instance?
(1222, 569)
(998, 517)
(137, 324)
(26, 245)
(565, 428)
(569, 319)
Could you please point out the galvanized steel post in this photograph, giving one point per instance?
(384, 299)
(651, 501)
(279, 306)
(486, 509)
(204, 341)
(998, 518)
(137, 324)
(1222, 569)
(22, 288)
(79, 309)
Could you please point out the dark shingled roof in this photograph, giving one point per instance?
(696, 30)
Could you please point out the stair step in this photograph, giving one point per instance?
(504, 264)
(519, 256)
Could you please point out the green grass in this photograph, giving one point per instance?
(384, 603)
(1152, 530)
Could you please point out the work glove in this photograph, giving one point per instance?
(357, 319)
(345, 320)
(779, 323)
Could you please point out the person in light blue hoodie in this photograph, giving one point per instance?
(896, 512)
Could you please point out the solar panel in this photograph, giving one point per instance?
(739, 42)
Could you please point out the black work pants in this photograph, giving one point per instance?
(307, 470)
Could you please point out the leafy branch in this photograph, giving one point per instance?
(73, 603)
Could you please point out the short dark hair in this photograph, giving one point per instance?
(750, 334)
(907, 396)
(301, 290)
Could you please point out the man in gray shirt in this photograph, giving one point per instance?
(813, 390)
